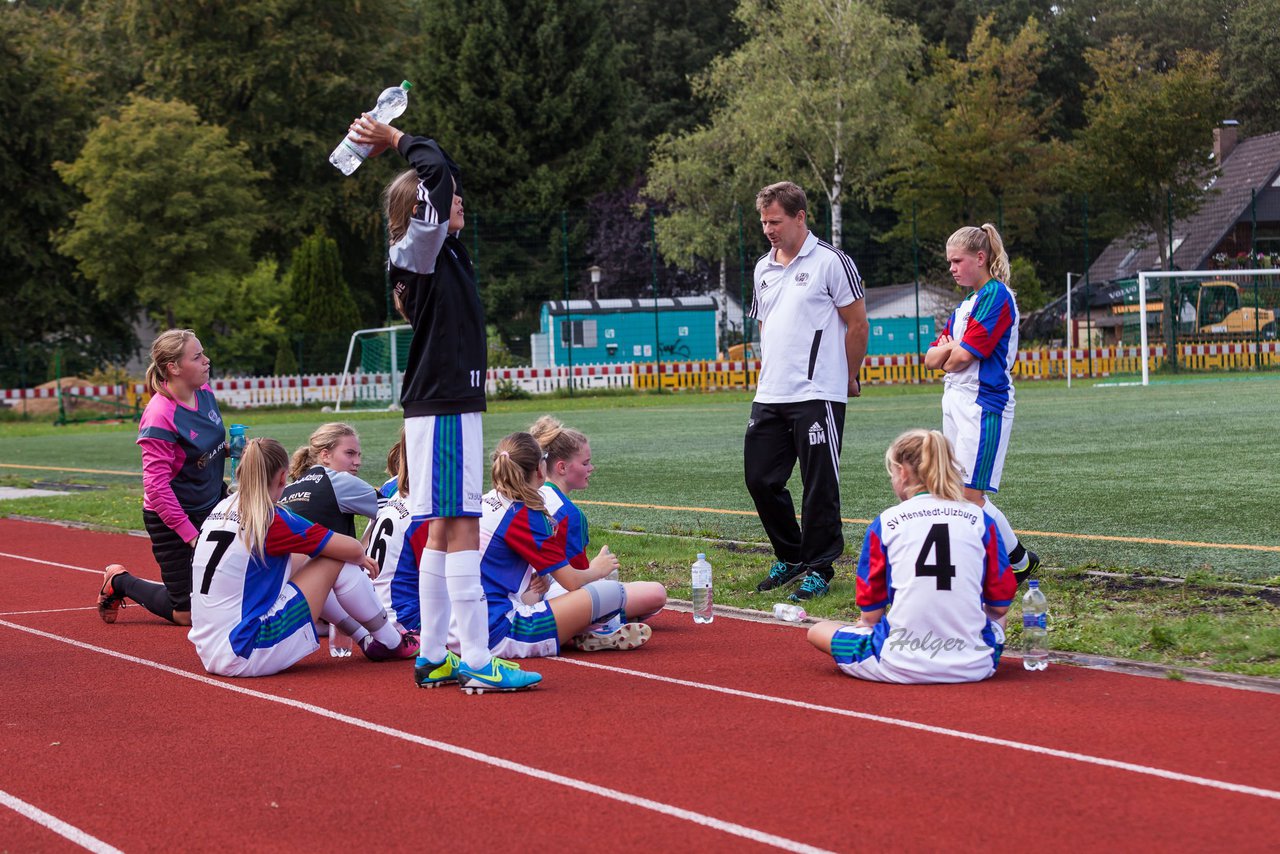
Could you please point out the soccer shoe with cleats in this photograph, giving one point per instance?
(1032, 568)
(109, 601)
(627, 636)
(431, 674)
(498, 675)
(376, 651)
(812, 587)
(780, 575)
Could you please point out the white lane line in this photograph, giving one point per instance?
(728, 827)
(51, 563)
(57, 825)
(937, 730)
(47, 611)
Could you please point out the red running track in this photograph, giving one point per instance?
(730, 736)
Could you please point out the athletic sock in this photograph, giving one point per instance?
(470, 612)
(433, 607)
(334, 613)
(357, 597)
(1017, 554)
(149, 594)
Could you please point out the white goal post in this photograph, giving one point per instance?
(1143, 278)
(392, 332)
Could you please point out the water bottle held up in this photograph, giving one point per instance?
(702, 599)
(1035, 625)
(391, 103)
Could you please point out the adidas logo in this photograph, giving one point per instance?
(817, 436)
(194, 434)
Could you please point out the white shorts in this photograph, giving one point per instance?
(980, 440)
(857, 652)
(288, 619)
(532, 633)
(446, 464)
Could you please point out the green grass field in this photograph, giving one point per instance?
(1176, 479)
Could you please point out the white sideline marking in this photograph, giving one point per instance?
(51, 563)
(937, 730)
(546, 776)
(57, 825)
(47, 611)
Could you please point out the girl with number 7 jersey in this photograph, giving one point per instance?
(250, 614)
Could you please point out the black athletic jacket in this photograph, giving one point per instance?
(432, 274)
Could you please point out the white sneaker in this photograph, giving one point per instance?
(628, 636)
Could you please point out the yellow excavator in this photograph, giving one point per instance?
(1218, 315)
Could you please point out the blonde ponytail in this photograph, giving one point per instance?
(325, 438)
(557, 441)
(398, 466)
(166, 350)
(261, 464)
(987, 241)
(927, 454)
(515, 469)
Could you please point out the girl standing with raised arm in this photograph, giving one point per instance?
(977, 351)
(443, 397)
(184, 449)
(937, 564)
(252, 614)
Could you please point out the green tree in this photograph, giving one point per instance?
(1142, 155)
(170, 201)
(239, 317)
(1024, 280)
(324, 313)
(46, 109)
(814, 94)
(981, 153)
(1251, 65)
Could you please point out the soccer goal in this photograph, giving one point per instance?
(373, 369)
(1227, 307)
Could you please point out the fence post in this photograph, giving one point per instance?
(653, 270)
(1088, 291)
(564, 252)
(742, 279)
(915, 260)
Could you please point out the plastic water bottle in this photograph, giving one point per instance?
(339, 642)
(235, 449)
(391, 103)
(1035, 625)
(702, 598)
(789, 613)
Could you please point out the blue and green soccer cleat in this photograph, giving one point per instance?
(429, 674)
(499, 675)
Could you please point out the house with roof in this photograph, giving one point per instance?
(1240, 215)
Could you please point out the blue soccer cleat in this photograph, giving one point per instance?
(430, 674)
(498, 675)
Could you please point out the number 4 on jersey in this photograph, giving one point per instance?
(938, 542)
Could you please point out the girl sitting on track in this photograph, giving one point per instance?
(184, 450)
(251, 614)
(396, 541)
(325, 487)
(940, 562)
(569, 468)
(517, 541)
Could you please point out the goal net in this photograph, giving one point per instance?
(373, 368)
(1188, 313)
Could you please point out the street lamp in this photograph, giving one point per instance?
(595, 272)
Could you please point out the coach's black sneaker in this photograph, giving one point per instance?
(812, 587)
(1032, 567)
(780, 575)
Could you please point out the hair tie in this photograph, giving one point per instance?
(504, 454)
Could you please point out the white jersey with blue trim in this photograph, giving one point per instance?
(232, 589)
(986, 325)
(396, 543)
(934, 563)
(515, 542)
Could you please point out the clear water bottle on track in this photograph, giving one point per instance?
(789, 613)
(1035, 625)
(340, 643)
(391, 103)
(702, 598)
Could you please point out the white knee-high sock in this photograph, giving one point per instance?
(433, 605)
(338, 616)
(357, 597)
(1006, 532)
(471, 613)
